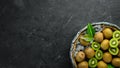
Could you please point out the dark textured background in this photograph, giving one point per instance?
(38, 33)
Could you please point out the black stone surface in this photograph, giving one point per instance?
(38, 33)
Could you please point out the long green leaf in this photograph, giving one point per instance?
(90, 30)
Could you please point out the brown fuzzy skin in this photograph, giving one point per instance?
(83, 64)
(101, 64)
(83, 42)
(118, 54)
(80, 56)
(105, 44)
(107, 57)
(89, 52)
(116, 62)
(119, 43)
(107, 32)
(99, 37)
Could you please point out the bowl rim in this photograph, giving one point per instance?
(76, 36)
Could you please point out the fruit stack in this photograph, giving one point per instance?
(99, 49)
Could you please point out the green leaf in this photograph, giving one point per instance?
(89, 33)
(90, 30)
(110, 66)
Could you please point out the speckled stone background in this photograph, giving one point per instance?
(38, 33)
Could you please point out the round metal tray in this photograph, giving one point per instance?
(73, 46)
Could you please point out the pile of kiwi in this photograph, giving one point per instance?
(102, 52)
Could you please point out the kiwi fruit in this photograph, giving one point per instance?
(107, 57)
(83, 42)
(116, 62)
(105, 44)
(119, 43)
(92, 62)
(95, 45)
(99, 54)
(98, 37)
(89, 52)
(116, 34)
(80, 56)
(102, 64)
(118, 54)
(113, 51)
(113, 43)
(107, 32)
(83, 64)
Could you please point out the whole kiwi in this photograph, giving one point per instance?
(101, 64)
(105, 44)
(119, 43)
(89, 52)
(118, 54)
(82, 41)
(107, 57)
(116, 62)
(83, 64)
(98, 37)
(80, 56)
(107, 32)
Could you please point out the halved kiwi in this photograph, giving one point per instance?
(95, 46)
(92, 62)
(114, 51)
(116, 34)
(113, 43)
(99, 54)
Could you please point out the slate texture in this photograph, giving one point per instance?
(38, 33)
